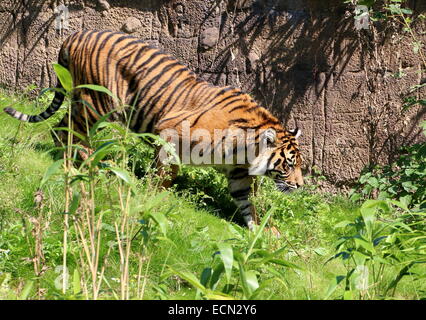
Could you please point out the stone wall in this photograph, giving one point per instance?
(302, 59)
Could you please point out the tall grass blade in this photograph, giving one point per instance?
(227, 256)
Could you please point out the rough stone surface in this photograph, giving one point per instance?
(209, 38)
(302, 59)
(131, 25)
(104, 5)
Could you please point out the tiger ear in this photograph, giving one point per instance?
(269, 136)
(296, 132)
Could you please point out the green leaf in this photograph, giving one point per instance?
(4, 279)
(251, 279)
(76, 282)
(161, 220)
(348, 295)
(237, 234)
(74, 202)
(115, 127)
(243, 278)
(73, 132)
(400, 204)
(372, 181)
(355, 197)
(367, 3)
(64, 76)
(405, 201)
(359, 257)
(259, 231)
(227, 256)
(365, 244)
(321, 251)
(383, 195)
(369, 208)
(213, 295)
(368, 213)
(395, 8)
(99, 154)
(333, 286)
(43, 91)
(206, 276)
(51, 171)
(342, 224)
(97, 88)
(271, 282)
(100, 122)
(283, 263)
(409, 186)
(403, 272)
(155, 201)
(216, 275)
(27, 290)
(190, 278)
(364, 177)
(122, 174)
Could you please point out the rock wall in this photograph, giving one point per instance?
(302, 59)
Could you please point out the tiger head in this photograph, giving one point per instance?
(280, 160)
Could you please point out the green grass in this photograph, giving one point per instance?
(181, 232)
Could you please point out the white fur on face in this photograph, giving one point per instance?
(298, 133)
(259, 165)
(270, 135)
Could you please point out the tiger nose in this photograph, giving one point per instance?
(300, 182)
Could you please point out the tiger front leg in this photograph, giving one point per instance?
(240, 186)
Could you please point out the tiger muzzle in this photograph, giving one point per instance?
(284, 186)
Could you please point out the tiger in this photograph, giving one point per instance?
(161, 93)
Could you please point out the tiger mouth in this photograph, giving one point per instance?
(284, 186)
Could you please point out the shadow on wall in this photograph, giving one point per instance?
(23, 14)
(316, 47)
(387, 139)
(22, 17)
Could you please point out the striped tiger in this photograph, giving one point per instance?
(158, 93)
